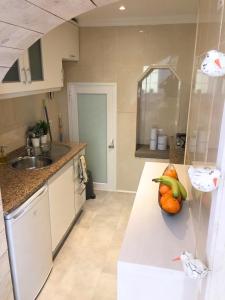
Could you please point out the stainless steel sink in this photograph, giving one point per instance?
(31, 162)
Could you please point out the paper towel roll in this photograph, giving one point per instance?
(162, 142)
(153, 144)
(154, 133)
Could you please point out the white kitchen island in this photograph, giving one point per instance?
(146, 270)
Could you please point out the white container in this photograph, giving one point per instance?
(162, 142)
(35, 142)
(160, 131)
(44, 139)
(162, 147)
(162, 139)
(153, 144)
(154, 133)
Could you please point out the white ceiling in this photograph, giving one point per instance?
(141, 12)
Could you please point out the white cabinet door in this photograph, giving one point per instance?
(16, 86)
(80, 197)
(70, 47)
(50, 65)
(60, 44)
(61, 198)
(65, 39)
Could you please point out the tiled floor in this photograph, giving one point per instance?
(85, 268)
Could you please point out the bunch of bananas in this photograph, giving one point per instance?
(176, 186)
(171, 190)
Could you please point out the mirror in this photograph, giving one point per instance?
(158, 114)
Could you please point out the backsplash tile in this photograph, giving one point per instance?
(19, 113)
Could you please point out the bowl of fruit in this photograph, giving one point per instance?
(172, 193)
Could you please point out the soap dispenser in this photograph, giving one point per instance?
(3, 158)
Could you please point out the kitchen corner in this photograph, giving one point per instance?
(18, 185)
(41, 204)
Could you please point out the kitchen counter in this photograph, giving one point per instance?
(18, 185)
(146, 269)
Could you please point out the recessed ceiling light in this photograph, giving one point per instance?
(122, 7)
(141, 31)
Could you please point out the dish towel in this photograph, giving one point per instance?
(83, 169)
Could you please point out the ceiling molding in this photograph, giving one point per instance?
(131, 21)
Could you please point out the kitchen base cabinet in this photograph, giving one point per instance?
(61, 198)
(80, 198)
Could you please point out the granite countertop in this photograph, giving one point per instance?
(19, 185)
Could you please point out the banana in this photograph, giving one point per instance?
(182, 190)
(171, 182)
(176, 186)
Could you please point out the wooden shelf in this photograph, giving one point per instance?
(144, 151)
(175, 156)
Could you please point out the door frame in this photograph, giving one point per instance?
(73, 88)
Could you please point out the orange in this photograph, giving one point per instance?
(171, 172)
(169, 193)
(163, 189)
(170, 204)
(164, 198)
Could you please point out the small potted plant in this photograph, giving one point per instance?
(36, 133)
(44, 131)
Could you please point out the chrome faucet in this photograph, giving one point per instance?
(28, 146)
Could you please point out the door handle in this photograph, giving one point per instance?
(111, 145)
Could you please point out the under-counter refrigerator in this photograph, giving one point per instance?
(29, 240)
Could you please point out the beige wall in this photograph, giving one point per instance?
(206, 109)
(118, 54)
(19, 113)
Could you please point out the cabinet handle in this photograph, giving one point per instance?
(24, 76)
(28, 76)
(72, 55)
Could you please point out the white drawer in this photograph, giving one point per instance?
(79, 201)
(79, 189)
(76, 167)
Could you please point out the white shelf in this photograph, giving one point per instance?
(153, 239)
